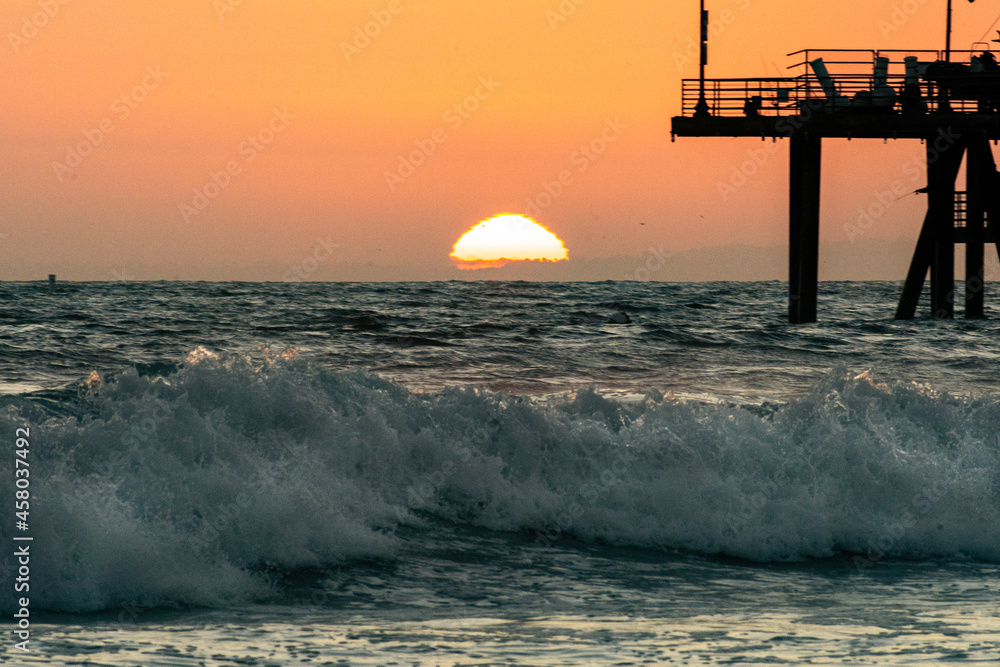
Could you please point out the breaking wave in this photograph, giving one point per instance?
(194, 483)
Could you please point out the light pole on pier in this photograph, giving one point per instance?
(947, 39)
(701, 108)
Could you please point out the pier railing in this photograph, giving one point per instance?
(961, 210)
(852, 87)
(961, 220)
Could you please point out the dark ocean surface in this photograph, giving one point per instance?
(484, 473)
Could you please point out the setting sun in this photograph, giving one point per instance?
(507, 237)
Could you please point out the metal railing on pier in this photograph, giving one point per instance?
(855, 85)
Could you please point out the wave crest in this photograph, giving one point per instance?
(188, 488)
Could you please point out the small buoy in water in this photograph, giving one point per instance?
(52, 280)
(621, 317)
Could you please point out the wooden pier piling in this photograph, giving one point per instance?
(805, 152)
(955, 112)
(935, 249)
(976, 180)
(942, 169)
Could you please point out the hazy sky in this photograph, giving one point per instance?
(264, 139)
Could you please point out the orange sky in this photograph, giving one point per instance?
(300, 131)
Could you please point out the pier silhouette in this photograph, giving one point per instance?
(949, 100)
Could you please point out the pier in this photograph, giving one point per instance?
(949, 100)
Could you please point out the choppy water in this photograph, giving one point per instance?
(497, 473)
(534, 338)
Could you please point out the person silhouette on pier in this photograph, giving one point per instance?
(986, 64)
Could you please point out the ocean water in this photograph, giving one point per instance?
(490, 473)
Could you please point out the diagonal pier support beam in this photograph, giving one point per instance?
(919, 266)
(805, 152)
(942, 170)
(936, 245)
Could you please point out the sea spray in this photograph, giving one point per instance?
(262, 464)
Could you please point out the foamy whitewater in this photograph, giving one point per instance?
(499, 473)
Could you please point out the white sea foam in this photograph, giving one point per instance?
(197, 487)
